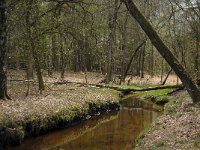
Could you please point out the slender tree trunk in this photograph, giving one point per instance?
(196, 63)
(62, 59)
(29, 71)
(152, 63)
(142, 61)
(111, 41)
(50, 59)
(39, 74)
(165, 80)
(123, 47)
(55, 56)
(32, 43)
(139, 63)
(3, 42)
(164, 51)
(162, 71)
(131, 59)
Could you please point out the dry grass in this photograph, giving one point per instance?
(148, 80)
(56, 106)
(54, 99)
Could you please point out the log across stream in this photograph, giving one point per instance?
(115, 130)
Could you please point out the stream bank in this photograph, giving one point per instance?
(66, 105)
(59, 106)
(177, 128)
(114, 130)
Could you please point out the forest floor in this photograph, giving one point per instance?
(177, 129)
(58, 106)
(61, 104)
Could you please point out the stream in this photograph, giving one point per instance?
(116, 130)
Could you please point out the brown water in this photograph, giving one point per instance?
(114, 131)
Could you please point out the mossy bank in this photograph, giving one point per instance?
(61, 108)
(177, 128)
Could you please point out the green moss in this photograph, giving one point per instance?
(174, 103)
(157, 144)
(156, 96)
(197, 141)
(162, 100)
(169, 108)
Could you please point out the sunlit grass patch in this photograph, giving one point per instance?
(156, 96)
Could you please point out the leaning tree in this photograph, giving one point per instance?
(164, 51)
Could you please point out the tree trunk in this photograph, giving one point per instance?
(39, 74)
(164, 51)
(196, 62)
(152, 62)
(139, 63)
(29, 70)
(111, 41)
(55, 53)
(131, 60)
(143, 60)
(123, 47)
(32, 42)
(165, 80)
(62, 59)
(50, 59)
(3, 41)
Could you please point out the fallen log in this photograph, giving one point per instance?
(127, 91)
(124, 90)
(175, 90)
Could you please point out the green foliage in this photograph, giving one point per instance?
(157, 144)
(170, 107)
(197, 141)
(156, 96)
(161, 100)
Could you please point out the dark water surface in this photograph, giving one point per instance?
(114, 131)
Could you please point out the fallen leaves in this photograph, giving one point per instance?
(60, 99)
(177, 130)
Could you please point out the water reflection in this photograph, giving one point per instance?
(116, 131)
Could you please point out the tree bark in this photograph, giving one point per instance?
(3, 42)
(123, 47)
(32, 42)
(50, 59)
(164, 51)
(163, 83)
(142, 61)
(111, 41)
